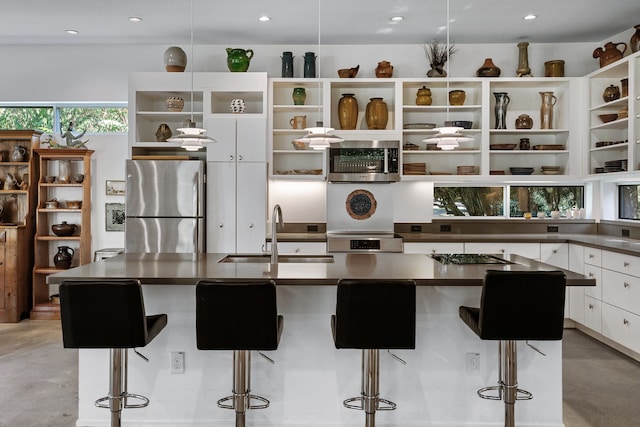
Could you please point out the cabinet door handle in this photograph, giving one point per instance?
(251, 225)
(555, 251)
(590, 256)
(502, 250)
(590, 274)
(220, 225)
(626, 285)
(626, 322)
(590, 306)
(231, 157)
(626, 264)
(240, 157)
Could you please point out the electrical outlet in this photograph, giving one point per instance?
(177, 362)
(473, 362)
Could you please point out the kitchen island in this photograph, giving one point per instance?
(310, 378)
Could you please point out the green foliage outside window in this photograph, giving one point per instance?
(19, 118)
(629, 202)
(544, 199)
(90, 119)
(468, 201)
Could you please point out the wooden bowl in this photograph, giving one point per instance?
(74, 204)
(606, 118)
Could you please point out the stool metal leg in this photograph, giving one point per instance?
(241, 397)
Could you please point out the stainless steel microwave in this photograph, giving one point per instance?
(364, 161)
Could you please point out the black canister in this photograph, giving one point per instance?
(309, 65)
(287, 64)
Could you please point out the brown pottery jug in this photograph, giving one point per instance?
(610, 53)
(64, 257)
(384, 69)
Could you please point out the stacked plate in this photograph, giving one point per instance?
(466, 170)
(415, 169)
(550, 170)
(521, 171)
(615, 166)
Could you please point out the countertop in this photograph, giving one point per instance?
(607, 242)
(188, 269)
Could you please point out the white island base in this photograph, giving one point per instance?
(311, 378)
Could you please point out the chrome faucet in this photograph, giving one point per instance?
(276, 220)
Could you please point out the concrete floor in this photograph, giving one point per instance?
(38, 380)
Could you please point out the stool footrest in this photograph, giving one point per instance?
(265, 402)
(145, 401)
(520, 393)
(391, 406)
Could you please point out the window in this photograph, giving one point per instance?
(544, 199)
(468, 201)
(54, 118)
(490, 201)
(629, 202)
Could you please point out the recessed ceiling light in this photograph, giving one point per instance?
(529, 17)
(396, 18)
(74, 32)
(264, 19)
(135, 19)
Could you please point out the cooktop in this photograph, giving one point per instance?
(462, 259)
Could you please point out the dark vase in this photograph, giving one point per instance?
(525, 144)
(634, 43)
(64, 257)
(348, 111)
(309, 65)
(502, 101)
(299, 95)
(287, 64)
(488, 69)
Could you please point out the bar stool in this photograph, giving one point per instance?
(109, 314)
(370, 315)
(516, 305)
(238, 316)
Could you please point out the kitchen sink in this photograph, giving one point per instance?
(266, 258)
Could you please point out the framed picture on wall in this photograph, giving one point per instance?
(114, 216)
(114, 188)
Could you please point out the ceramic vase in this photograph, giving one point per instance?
(299, 95)
(634, 43)
(348, 111)
(524, 122)
(238, 106)
(174, 103)
(488, 69)
(175, 60)
(611, 93)
(64, 169)
(423, 96)
(546, 109)
(287, 64)
(63, 258)
(437, 70)
(457, 97)
(309, 65)
(525, 144)
(610, 53)
(238, 60)
(163, 133)
(377, 114)
(500, 109)
(384, 69)
(523, 60)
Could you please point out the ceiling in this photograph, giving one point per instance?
(297, 21)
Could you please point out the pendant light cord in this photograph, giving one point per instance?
(192, 60)
(448, 21)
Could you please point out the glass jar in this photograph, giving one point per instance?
(64, 170)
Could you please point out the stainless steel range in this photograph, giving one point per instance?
(360, 218)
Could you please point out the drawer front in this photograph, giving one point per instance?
(621, 326)
(434, 248)
(593, 256)
(593, 273)
(593, 314)
(621, 290)
(622, 263)
(556, 254)
(301, 247)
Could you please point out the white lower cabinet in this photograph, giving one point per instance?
(529, 250)
(576, 293)
(557, 254)
(621, 290)
(434, 248)
(621, 326)
(593, 272)
(302, 248)
(593, 314)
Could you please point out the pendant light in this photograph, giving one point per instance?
(319, 137)
(191, 138)
(448, 137)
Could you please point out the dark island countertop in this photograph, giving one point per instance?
(188, 269)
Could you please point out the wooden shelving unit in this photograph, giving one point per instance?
(45, 242)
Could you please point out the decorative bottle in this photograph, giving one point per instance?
(377, 114)
(502, 101)
(309, 65)
(287, 64)
(546, 110)
(634, 43)
(348, 111)
(523, 60)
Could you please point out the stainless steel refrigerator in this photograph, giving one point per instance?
(165, 202)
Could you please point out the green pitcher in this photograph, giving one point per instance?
(239, 59)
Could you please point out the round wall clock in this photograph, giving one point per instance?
(361, 204)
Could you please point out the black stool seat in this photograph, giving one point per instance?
(516, 305)
(519, 305)
(106, 314)
(109, 314)
(238, 316)
(370, 315)
(375, 314)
